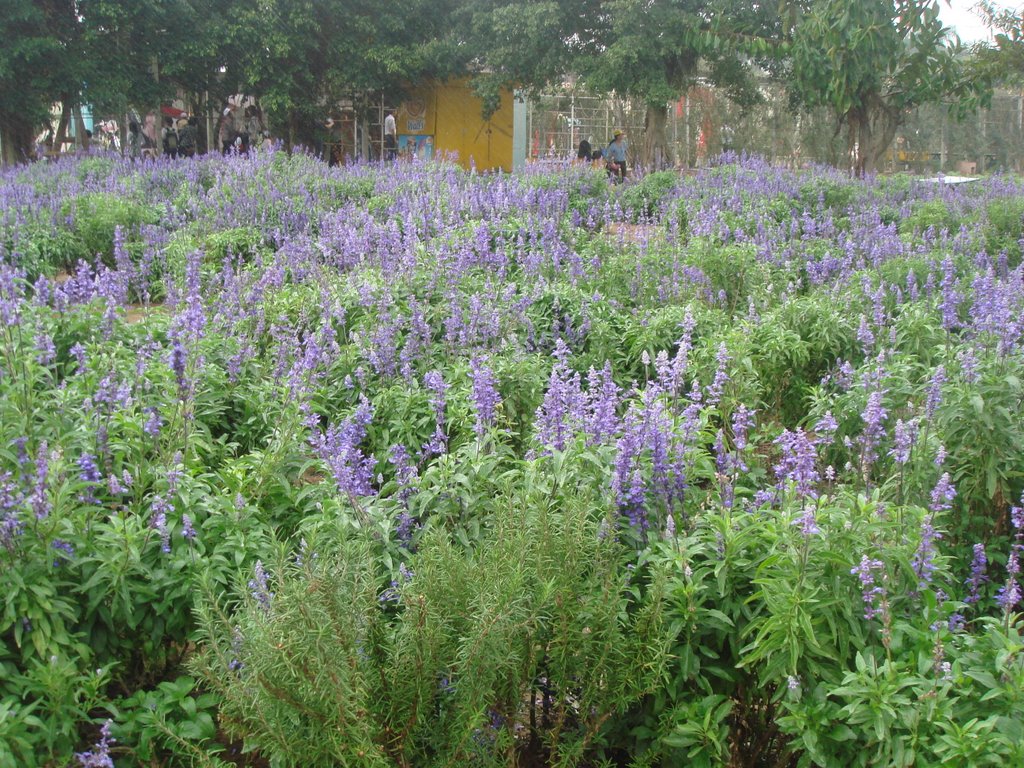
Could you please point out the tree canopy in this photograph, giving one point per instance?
(869, 61)
(1003, 60)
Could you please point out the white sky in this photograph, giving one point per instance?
(958, 15)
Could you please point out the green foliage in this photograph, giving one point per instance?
(656, 568)
(983, 431)
(642, 200)
(96, 217)
(829, 193)
(1004, 228)
(870, 62)
(793, 348)
(933, 214)
(173, 718)
(451, 660)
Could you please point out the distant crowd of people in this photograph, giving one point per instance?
(240, 129)
(613, 157)
(173, 135)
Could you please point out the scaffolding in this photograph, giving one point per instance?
(703, 122)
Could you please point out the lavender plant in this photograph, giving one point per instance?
(758, 416)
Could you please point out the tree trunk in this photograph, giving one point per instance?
(16, 137)
(870, 131)
(81, 138)
(656, 154)
(62, 124)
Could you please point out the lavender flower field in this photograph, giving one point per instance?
(398, 465)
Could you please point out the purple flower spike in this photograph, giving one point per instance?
(978, 576)
(486, 398)
(99, 755)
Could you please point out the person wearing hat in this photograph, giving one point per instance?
(616, 156)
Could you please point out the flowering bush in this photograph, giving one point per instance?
(410, 466)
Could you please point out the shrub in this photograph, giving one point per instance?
(530, 643)
(96, 215)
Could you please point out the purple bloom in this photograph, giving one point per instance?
(78, 352)
(942, 495)
(934, 398)
(844, 375)
(1010, 593)
(796, 463)
(90, 473)
(46, 351)
(865, 336)
(808, 521)
(978, 576)
(872, 591)
(10, 523)
(742, 421)
(873, 415)
(177, 361)
(561, 414)
(187, 529)
(438, 443)
(159, 522)
(968, 365)
(602, 421)
(99, 755)
(628, 484)
(826, 429)
(339, 448)
(903, 440)
(153, 422)
(485, 396)
(923, 561)
(714, 393)
(951, 297)
(406, 477)
(258, 587)
(63, 547)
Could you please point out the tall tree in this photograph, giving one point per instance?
(301, 56)
(655, 50)
(647, 49)
(1003, 59)
(871, 62)
(38, 47)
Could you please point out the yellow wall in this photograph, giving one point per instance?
(451, 114)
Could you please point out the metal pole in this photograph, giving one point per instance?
(686, 117)
(209, 121)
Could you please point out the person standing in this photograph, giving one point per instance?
(169, 138)
(134, 140)
(616, 156)
(390, 137)
(226, 131)
(187, 134)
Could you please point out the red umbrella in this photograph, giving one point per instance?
(172, 111)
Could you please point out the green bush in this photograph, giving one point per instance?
(642, 200)
(932, 214)
(1004, 228)
(97, 214)
(530, 643)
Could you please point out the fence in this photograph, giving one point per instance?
(703, 122)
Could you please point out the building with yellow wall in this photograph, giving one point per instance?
(444, 118)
